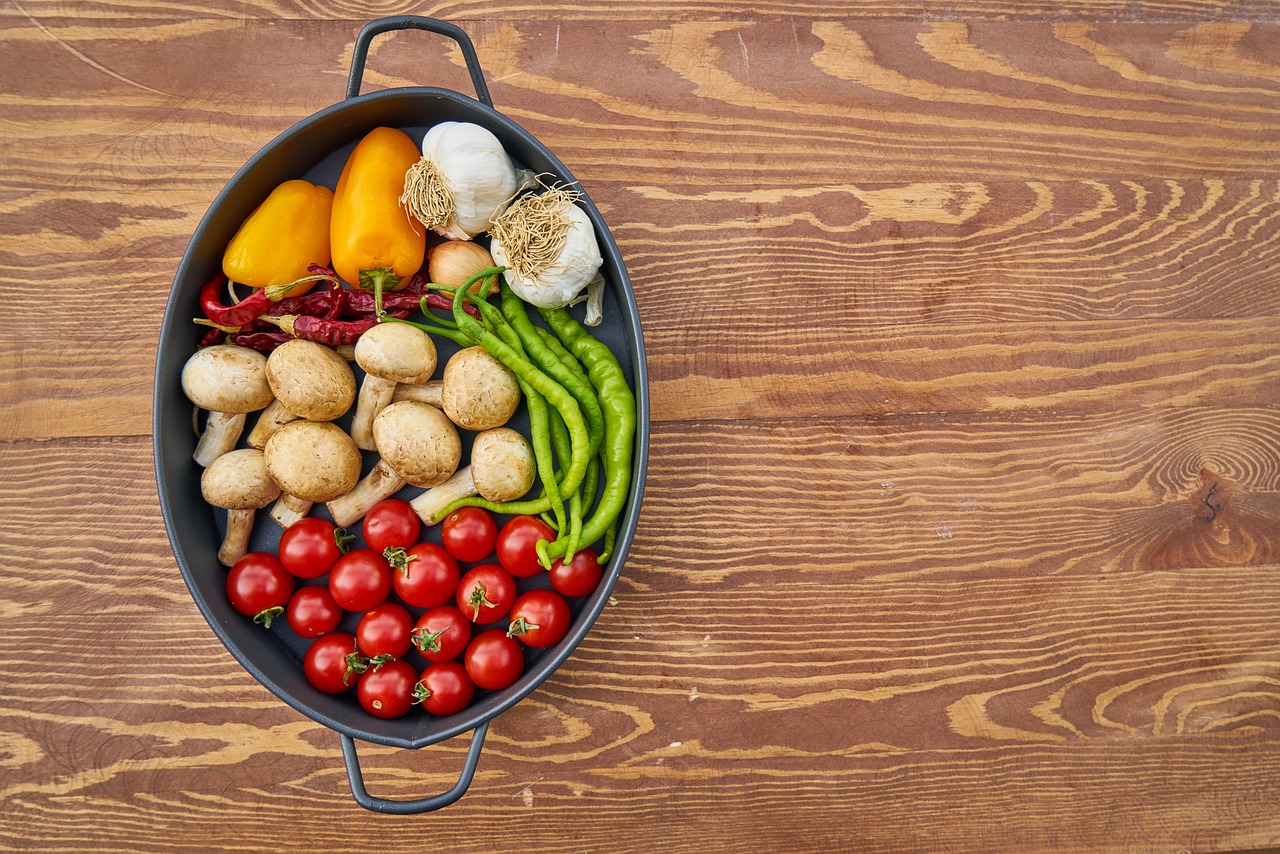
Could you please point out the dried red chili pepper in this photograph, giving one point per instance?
(321, 303)
(236, 315)
(212, 336)
(335, 333)
(262, 341)
(251, 307)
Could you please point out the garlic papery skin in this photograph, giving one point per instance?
(556, 281)
(465, 177)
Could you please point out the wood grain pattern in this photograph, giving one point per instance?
(963, 508)
(1106, 11)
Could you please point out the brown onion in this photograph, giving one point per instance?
(451, 263)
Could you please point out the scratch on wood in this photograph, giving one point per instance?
(92, 63)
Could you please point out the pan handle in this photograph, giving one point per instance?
(415, 22)
(435, 802)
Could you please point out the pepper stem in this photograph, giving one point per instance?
(378, 279)
(275, 293)
(432, 329)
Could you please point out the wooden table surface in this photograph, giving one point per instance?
(962, 521)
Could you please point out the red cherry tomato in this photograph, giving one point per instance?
(428, 577)
(360, 580)
(311, 611)
(444, 688)
(311, 546)
(391, 524)
(517, 543)
(383, 632)
(539, 618)
(469, 533)
(579, 576)
(259, 587)
(332, 664)
(441, 634)
(494, 660)
(485, 593)
(387, 690)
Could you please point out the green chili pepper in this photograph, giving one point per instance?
(617, 402)
(564, 449)
(515, 313)
(555, 395)
(539, 421)
(554, 345)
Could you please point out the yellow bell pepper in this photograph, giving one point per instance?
(287, 233)
(375, 245)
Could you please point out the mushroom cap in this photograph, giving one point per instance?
(502, 464)
(239, 480)
(313, 460)
(477, 391)
(311, 380)
(227, 378)
(397, 352)
(418, 442)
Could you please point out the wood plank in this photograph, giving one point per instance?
(778, 367)
(464, 12)
(884, 101)
(894, 314)
(901, 498)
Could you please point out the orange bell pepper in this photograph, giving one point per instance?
(375, 245)
(286, 234)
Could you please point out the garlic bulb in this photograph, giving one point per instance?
(548, 246)
(462, 180)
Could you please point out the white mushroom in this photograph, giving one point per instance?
(238, 482)
(310, 381)
(311, 461)
(417, 445)
(502, 469)
(476, 391)
(228, 381)
(389, 353)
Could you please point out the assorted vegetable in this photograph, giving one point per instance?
(470, 555)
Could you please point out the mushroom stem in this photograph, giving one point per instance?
(289, 509)
(221, 434)
(375, 394)
(235, 543)
(428, 392)
(269, 421)
(238, 482)
(502, 469)
(432, 502)
(228, 381)
(382, 482)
